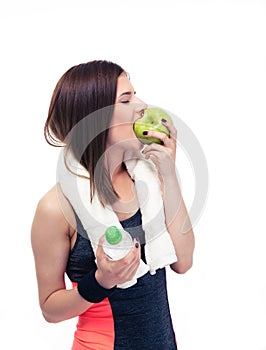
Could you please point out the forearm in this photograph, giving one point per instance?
(63, 305)
(178, 224)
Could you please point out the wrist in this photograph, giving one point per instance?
(102, 281)
(90, 289)
(169, 179)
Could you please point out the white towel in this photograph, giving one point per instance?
(95, 218)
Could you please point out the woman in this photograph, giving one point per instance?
(109, 317)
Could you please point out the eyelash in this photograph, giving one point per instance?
(128, 101)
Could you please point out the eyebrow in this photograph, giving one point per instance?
(127, 93)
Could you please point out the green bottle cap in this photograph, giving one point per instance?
(113, 235)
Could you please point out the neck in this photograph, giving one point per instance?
(114, 165)
(115, 160)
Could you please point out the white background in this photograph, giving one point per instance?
(204, 61)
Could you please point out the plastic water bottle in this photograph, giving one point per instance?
(117, 243)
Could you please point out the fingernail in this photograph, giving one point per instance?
(164, 120)
(145, 133)
(137, 244)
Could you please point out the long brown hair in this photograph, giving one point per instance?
(79, 117)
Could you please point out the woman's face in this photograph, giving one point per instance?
(128, 107)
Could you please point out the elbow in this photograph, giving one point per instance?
(181, 267)
(50, 319)
(184, 269)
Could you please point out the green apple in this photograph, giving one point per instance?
(151, 121)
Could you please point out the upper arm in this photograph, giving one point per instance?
(50, 238)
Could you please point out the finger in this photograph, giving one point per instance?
(156, 134)
(131, 272)
(152, 147)
(101, 240)
(134, 253)
(132, 261)
(137, 246)
(100, 254)
(152, 154)
(170, 126)
(157, 150)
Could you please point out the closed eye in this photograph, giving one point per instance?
(127, 94)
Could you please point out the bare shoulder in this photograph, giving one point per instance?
(49, 202)
(53, 209)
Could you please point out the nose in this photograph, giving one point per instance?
(140, 105)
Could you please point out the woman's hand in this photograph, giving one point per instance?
(163, 156)
(112, 272)
(176, 216)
